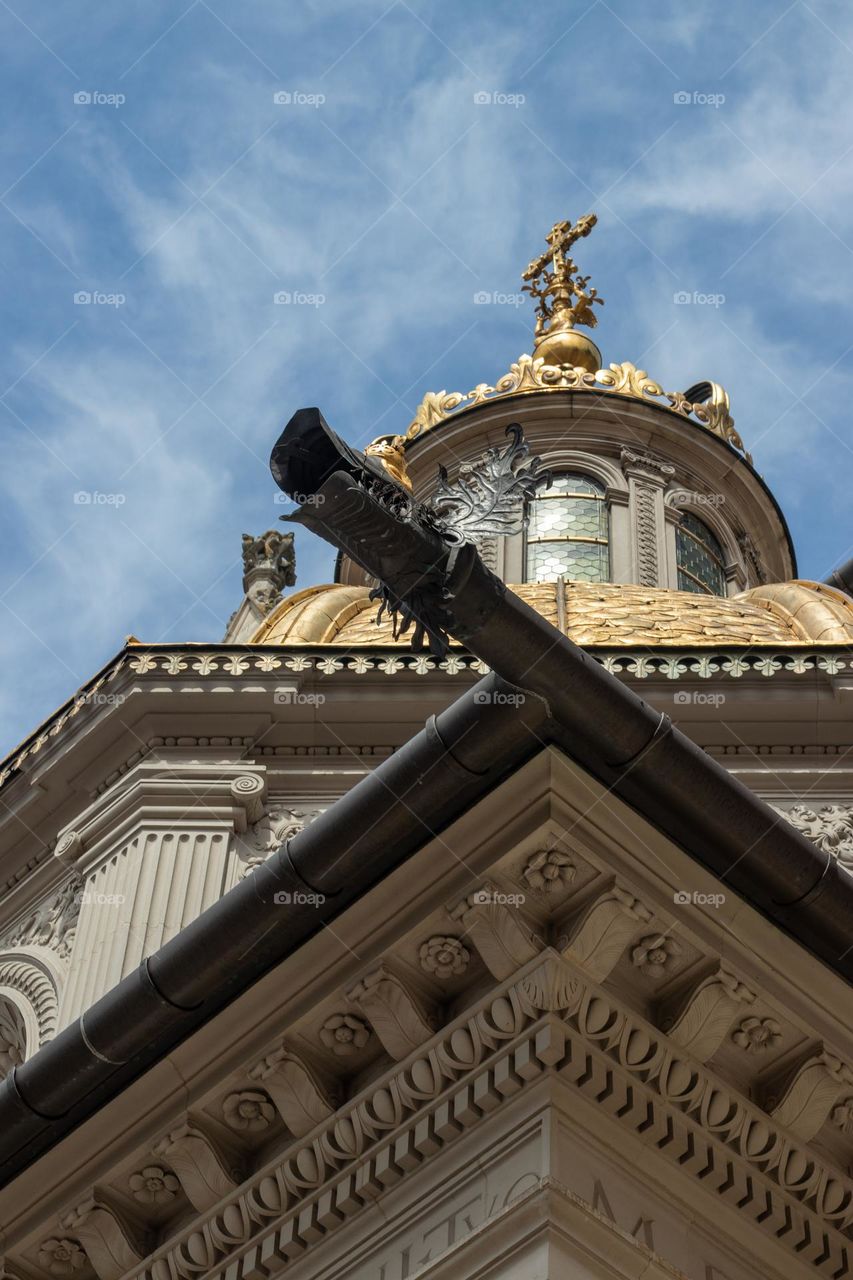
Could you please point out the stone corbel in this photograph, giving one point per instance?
(200, 1164)
(802, 1099)
(302, 1100)
(497, 931)
(395, 1013)
(647, 466)
(111, 1242)
(601, 931)
(697, 1018)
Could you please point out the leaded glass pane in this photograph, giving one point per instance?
(568, 531)
(700, 558)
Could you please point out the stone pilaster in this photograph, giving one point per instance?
(647, 478)
(152, 854)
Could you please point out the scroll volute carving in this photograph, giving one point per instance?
(303, 1099)
(599, 932)
(113, 1244)
(699, 1015)
(493, 923)
(204, 1169)
(397, 1015)
(802, 1097)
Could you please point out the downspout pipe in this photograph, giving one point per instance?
(629, 747)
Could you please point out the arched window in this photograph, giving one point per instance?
(567, 532)
(701, 559)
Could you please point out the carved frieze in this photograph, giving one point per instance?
(831, 828)
(50, 924)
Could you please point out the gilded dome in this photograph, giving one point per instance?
(606, 614)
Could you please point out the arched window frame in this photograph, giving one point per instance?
(717, 553)
(599, 495)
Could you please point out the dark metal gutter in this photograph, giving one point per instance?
(558, 694)
(842, 577)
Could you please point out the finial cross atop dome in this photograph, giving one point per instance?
(564, 298)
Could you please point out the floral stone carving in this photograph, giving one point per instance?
(444, 957)
(655, 954)
(153, 1185)
(250, 1111)
(755, 1035)
(549, 870)
(344, 1034)
(61, 1257)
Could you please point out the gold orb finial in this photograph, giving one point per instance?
(564, 299)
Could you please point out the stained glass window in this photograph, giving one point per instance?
(567, 532)
(701, 559)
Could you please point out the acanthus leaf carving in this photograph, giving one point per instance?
(201, 1166)
(50, 924)
(830, 828)
(496, 929)
(112, 1244)
(394, 1012)
(803, 1099)
(699, 1019)
(302, 1100)
(602, 929)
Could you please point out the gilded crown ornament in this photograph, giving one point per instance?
(564, 299)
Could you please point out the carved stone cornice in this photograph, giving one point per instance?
(647, 466)
(804, 1096)
(112, 1243)
(394, 1011)
(698, 1017)
(549, 1019)
(204, 1170)
(303, 1100)
(599, 932)
(492, 921)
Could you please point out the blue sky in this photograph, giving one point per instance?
(183, 197)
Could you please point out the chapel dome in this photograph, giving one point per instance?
(600, 613)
